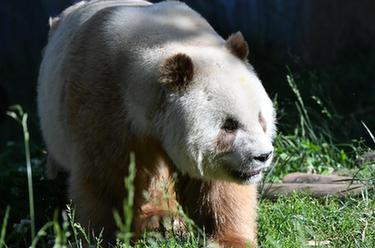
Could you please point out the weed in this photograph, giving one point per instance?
(4, 228)
(369, 132)
(17, 113)
(124, 235)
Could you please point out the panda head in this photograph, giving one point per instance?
(217, 121)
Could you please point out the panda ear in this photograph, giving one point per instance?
(177, 71)
(237, 45)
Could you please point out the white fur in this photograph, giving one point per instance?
(188, 126)
(223, 86)
(50, 82)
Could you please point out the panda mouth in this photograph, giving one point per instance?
(245, 175)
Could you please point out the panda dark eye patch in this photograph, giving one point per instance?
(230, 125)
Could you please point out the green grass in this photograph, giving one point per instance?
(295, 220)
(290, 221)
(311, 148)
(17, 114)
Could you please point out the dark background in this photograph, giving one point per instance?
(328, 45)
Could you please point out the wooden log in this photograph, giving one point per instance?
(315, 189)
(299, 177)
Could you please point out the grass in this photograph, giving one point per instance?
(3, 228)
(124, 225)
(17, 114)
(311, 148)
(295, 220)
(290, 221)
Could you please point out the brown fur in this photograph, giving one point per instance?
(226, 210)
(225, 141)
(92, 109)
(52, 167)
(237, 44)
(262, 122)
(177, 71)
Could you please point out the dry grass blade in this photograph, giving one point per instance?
(4, 228)
(369, 132)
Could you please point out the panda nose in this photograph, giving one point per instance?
(263, 157)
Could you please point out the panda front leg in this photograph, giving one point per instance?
(226, 211)
(95, 199)
(155, 202)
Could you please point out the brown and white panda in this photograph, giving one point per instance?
(120, 76)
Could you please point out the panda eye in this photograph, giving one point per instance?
(230, 125)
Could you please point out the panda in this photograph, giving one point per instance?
(123, 76)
